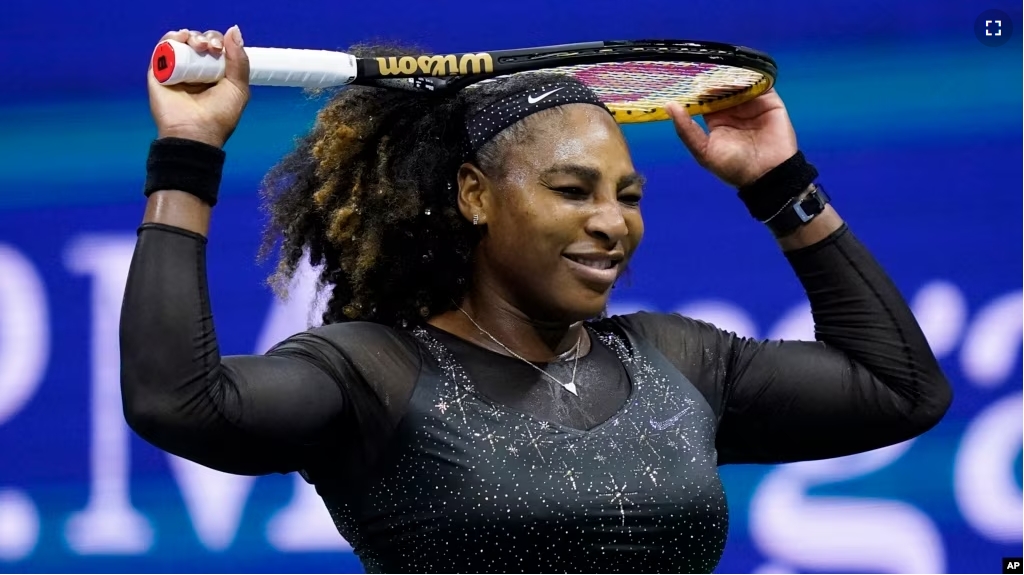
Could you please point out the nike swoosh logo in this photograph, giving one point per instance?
(535, 99)
(663, 425)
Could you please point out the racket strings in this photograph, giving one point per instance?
(644, 83)
(637, 91)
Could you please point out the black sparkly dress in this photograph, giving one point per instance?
(484, 488)
(436, 455)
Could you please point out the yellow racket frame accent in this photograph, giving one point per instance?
(658, 114)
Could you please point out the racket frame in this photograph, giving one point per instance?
(456, 71)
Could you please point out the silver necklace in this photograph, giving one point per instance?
(570, 387)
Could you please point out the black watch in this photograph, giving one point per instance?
(798, 212)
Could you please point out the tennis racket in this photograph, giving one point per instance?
(635, 79)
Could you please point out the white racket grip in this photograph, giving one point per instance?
(177, 63)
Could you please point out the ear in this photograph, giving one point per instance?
(475, 193)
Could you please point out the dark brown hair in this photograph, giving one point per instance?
(369, 197)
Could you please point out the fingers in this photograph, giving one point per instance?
(176, 35)
(690, 132)
(216, 39)
(236, 69)
(210, 41)
(216, 43)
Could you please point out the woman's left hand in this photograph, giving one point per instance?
(743, 143)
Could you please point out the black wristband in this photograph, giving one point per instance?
(185, 165)
(773, 191)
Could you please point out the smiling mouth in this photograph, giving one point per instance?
(597, 263)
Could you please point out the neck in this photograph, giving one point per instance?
(534, 339)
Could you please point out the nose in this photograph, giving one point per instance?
(607, 222)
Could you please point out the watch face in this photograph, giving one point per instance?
(799, 213)
(806, 210)
(817, 202)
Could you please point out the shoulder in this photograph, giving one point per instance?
(644, 320)
(347, 334)
(364, 344)
(697, 349)
(351, 331)
(650, 324)
(673, 333)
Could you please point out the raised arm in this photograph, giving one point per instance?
(870, 379)
(248, 415)
(245, 415)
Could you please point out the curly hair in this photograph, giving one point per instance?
(369, 196)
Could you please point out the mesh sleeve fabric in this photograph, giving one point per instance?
(248, 415)
(870, 380)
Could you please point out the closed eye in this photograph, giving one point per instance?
(631, 199)
(571, 191)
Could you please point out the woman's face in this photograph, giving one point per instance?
(563, 217)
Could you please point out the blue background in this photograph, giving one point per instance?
(914, 125)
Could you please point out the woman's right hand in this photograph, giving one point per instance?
(207, 113)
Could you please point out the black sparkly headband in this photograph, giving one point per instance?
(487, 123)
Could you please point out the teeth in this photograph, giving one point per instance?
(598, 264)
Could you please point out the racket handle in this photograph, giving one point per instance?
(178, 63)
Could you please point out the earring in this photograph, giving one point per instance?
(476, 219)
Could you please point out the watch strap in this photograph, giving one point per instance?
(799, 211)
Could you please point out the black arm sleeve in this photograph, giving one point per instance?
(247, 415)
(870, 380)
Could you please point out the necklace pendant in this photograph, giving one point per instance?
(570, 387)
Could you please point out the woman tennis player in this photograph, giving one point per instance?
(467, 406)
